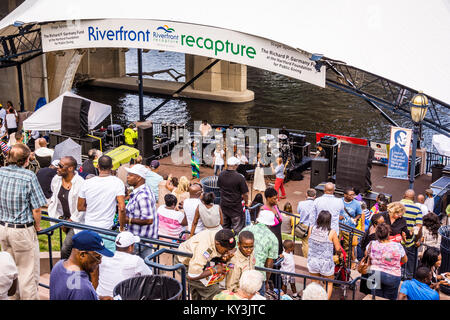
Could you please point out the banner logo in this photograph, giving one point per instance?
(166, 35)
(166, 28)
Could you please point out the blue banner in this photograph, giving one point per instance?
(399, 153)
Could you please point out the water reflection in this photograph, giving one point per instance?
(279, 101)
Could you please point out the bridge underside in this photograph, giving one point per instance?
(382, 94)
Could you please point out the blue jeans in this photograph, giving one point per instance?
(262, 291)
(387, 286)
(217, 170)
(409, 267)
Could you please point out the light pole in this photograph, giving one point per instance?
(419, 107)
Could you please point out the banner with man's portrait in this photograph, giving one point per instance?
(399, 153)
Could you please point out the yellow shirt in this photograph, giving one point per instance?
(238, 264)
(203, 249)
(130, 134)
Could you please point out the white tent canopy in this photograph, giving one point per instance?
(48, 117)
(442, 144)
(405, 41)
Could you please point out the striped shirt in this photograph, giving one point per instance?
(142, 205)
(5, 148)
(413, 216)
(20, 193)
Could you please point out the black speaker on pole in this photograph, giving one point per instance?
(353, 167)
(331, 153)
(319, 171)
(74, 116)
(145, 141)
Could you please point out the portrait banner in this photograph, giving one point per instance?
(399, 153)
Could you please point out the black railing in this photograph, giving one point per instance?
(352, 285)
(351, 231)
(153, 259)
(145, 242)
(436, 158)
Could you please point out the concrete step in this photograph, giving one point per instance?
(44, 293)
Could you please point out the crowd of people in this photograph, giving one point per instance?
(398, 254)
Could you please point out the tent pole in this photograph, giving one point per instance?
(141, 87)
(112, 130)
(45, 76)
(20, 82)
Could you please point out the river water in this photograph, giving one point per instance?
(279, 101)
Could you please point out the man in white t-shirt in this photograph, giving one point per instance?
(123, 265)
(190, 206)
(421, 204)
(8, 275)
(2, 113)
(204, 128)
(99, 197)
(429, 202)
(43, 151)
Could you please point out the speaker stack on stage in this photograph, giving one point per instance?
(330, 146)
(74, 125)
(145, 142)
(298, 146)
(319, 171)
(74, 116)
(353, 167)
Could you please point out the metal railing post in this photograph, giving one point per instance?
(50, 253)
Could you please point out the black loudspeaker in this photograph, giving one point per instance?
(298, 152)
(298, 139)
(319, 171)
(74, 116)
(353, 167)
(145, 140)
(331, 153)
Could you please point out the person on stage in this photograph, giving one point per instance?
(195, 161)
(279, 174)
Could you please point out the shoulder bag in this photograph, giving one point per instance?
(365, 262)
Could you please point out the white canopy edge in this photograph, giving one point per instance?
(442, 144)
(405, 41)
(48, 117)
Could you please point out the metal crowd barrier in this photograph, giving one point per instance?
(153, 259)
(145, 242)
(352, 233)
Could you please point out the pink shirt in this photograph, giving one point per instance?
(386, 257)
(170, 222)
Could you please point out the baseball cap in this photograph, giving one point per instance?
(87, 240)
(126, 239)
(154, 164)
(55, 163)
(138, 169)
(233, 161)
(266, 217)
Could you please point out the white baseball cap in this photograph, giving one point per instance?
(266, 217)
(138, 169)
(55, 163)
(233, 161)
(126, 239)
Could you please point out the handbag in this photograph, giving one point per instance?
(300, 231)
(365, 263)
